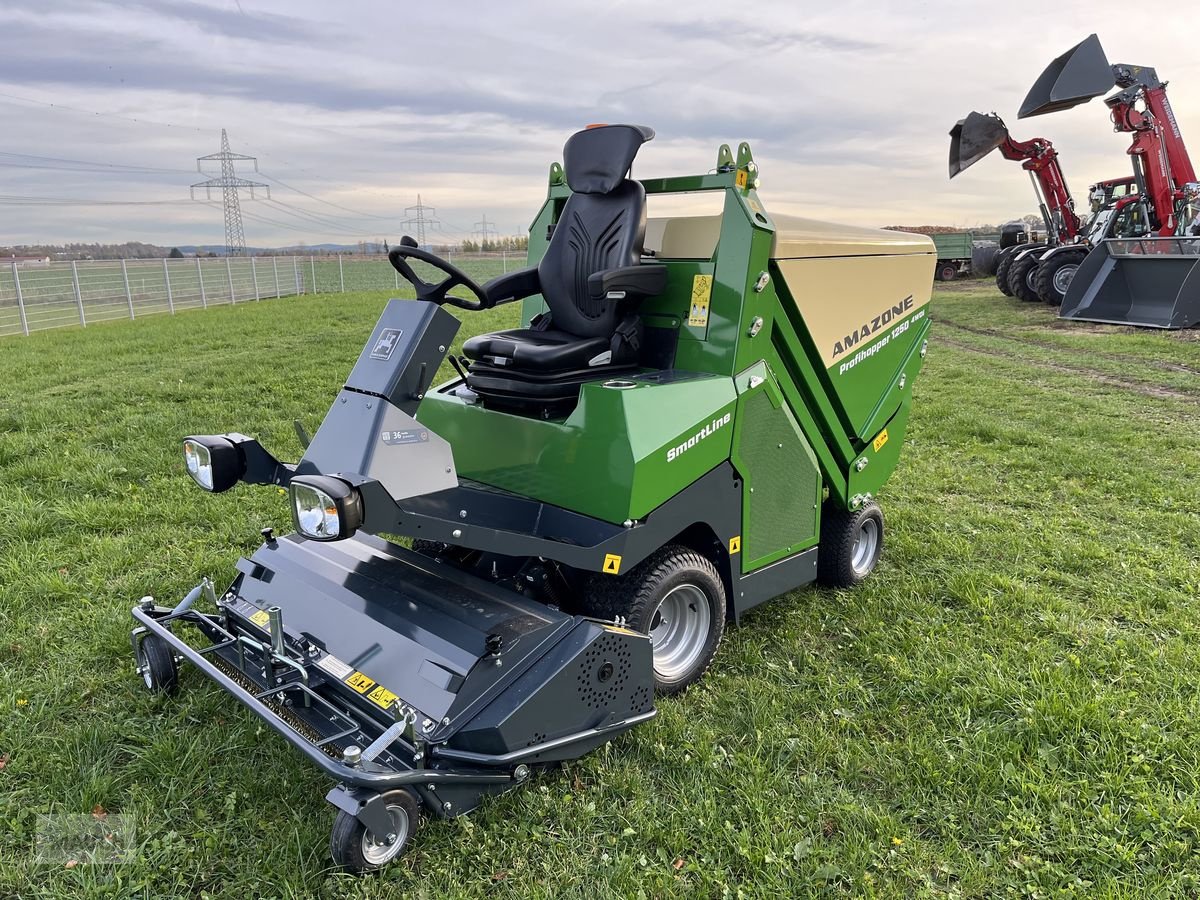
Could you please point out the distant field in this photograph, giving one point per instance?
(1009, 707)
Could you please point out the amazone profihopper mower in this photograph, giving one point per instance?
(694, 417)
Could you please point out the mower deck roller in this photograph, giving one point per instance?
(1149, 282)
(1079, 75)
(695, 416)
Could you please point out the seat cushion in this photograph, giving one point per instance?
(538, 351)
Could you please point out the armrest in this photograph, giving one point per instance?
(635, 282)
(511, 286)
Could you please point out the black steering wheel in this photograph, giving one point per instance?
(437, 293)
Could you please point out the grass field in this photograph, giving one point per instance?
(1008, 707)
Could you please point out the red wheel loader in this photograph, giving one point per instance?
(1149, 274)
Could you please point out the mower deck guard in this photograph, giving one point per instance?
(973, 138)
(1152, 282)
(1080, 74)
(429, 670)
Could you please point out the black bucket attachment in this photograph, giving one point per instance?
(1080, 74)
(1149, 282)
(973, 138)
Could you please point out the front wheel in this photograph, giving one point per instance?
(358, 850)
(1004, 260)
(1022, 277)
(678, 599)
(851, 544)
(1055, 275)
(156, 664)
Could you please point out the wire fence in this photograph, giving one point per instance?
(35, 296)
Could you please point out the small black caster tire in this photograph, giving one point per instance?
(851, 544)
(156, 664)
(678, 598)
(356, 850)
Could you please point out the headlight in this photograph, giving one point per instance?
(213, 462)
(325, 508)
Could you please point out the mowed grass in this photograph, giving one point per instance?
(1007, 707)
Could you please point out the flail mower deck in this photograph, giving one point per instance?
(694, 418)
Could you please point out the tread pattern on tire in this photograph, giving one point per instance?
(1046, 273)
(634, 596)
(1018, 279)
(157, 654)
(345, 840)
(835, 552)
(1002, 274)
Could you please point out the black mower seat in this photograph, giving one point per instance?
(541, 351)
(591, 277)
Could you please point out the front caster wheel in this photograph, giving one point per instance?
(851, 544)
(677, 597)
(359, 851)
(156, 664)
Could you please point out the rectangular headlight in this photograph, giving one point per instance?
(325, 508)
(213, 462)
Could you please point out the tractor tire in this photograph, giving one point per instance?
(851, 544)
(947, 271)
(354, 849)
(678, 598)
(1004, 260)
(1021, 277)
(983, 258)
(1054, 277)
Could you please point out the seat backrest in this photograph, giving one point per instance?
(602, 226)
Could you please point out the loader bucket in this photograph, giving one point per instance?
(973, 138)
(1080, 74)
(1148, 282)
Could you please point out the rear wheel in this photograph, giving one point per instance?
(947, 271)
(1022, 277)
(1004, 260)
(851, 544)
(677, 597)
(358, 850)
(1054, 277)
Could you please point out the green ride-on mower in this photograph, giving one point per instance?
(694, 417)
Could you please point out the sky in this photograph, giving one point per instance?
(354, 109)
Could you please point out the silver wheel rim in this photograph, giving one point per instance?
(144, 665)
(679, 631)
(1031, 279)
(866, 547)
(378, 852)
(1062, 278)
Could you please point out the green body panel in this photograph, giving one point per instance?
(954, 246)
(781, 488)
(613, 458)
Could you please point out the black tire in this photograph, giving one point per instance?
(851, 544)
(1021, 277)
(156, 664)
(1005, 258)
(947, 271)
(687, 581)
(1053, 272)
(356, 851)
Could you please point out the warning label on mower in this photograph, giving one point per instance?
(360, 682)
(335, 667)
(381, 696)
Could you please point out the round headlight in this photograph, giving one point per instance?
(325, 508)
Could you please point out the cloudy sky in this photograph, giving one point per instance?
(354, 108)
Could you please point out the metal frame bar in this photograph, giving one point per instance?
(20, 300)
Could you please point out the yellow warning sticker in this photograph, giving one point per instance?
(612, 564)
(735, 544)
(381, 696)
(360, 682)
(617, 629)
(880, 440)
(260, 618)
(741, 178)
(701, 300)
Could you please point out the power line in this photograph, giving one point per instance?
(420, 216)
(230, 185)
(483, 229)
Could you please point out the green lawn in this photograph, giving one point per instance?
(1008, 707)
